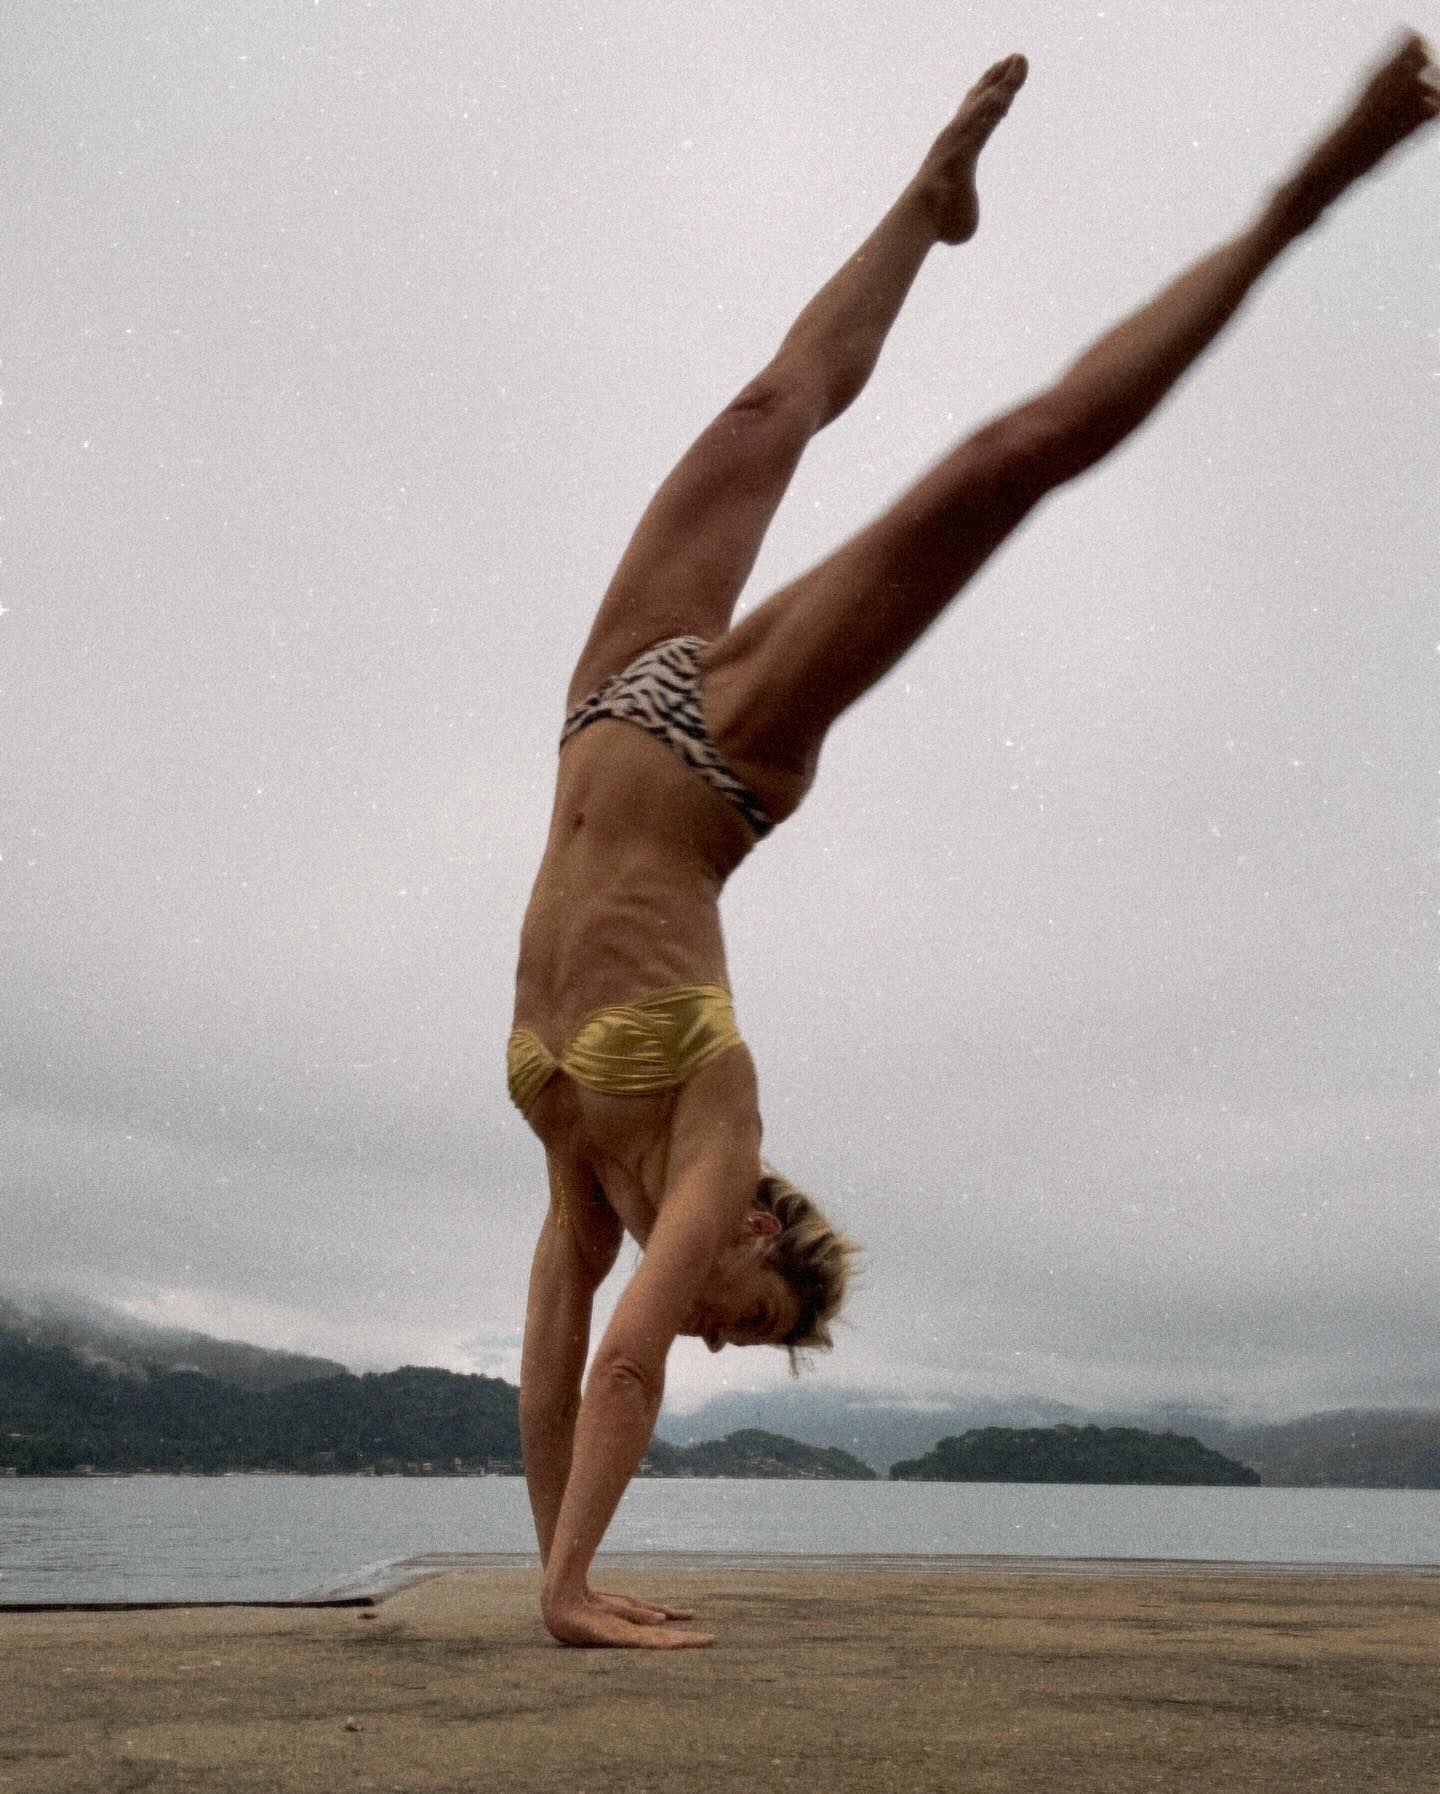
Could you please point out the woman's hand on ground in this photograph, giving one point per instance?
(592, 1620)
(644, 1613)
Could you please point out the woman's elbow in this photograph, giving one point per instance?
(628, 1377)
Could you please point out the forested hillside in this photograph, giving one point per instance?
(1346, 1449)
(59, 1413)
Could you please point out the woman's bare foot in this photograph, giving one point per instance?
(1400, 98)
(947, 175)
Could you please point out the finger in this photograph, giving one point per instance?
(652, 1610)
(639, 1612)
(679, 1641)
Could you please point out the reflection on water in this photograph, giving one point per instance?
(263, 1537)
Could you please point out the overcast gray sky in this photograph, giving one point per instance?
(1094, 988)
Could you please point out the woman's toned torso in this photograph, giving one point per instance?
(626, 903)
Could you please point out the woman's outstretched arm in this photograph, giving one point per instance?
(564, 1276)
(578, 1244)
(715, 1170)
(552, 1363)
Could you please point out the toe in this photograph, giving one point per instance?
(1006, 74)
(999, 74)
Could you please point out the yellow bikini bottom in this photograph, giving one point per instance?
(654, 1044)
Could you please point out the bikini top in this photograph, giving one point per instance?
(660, 692)
(653, 1044)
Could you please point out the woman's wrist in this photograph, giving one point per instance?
(559, 1595)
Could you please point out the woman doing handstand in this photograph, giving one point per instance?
(687, 739)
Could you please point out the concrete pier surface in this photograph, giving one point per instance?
(908, 1675)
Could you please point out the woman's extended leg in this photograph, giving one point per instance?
(696, 543)
(780, 677)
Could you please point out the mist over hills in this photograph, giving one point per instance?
(104, 1335)
(1354, 1448)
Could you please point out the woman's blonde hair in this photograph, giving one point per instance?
(813, 1258)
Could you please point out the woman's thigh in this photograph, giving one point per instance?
(777, 681)
(697, 541)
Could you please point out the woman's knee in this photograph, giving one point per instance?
(788, 397)
(1023, 455)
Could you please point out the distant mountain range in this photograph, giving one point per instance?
(94, 1388)
(882, 1428)
(1362, 1448)
(1352, 1448)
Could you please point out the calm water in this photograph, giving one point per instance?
(202, 1538)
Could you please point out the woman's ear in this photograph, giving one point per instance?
(762, 1223)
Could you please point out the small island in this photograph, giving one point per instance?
(753, 1453)
(1075, 1454)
